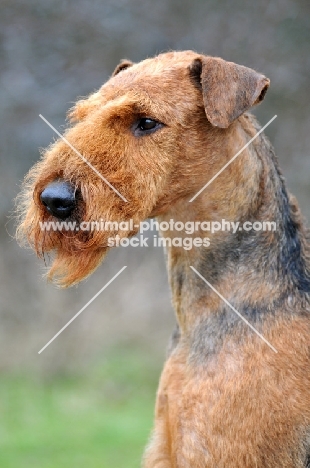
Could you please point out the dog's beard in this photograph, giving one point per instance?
(69, 268)
(73, 254)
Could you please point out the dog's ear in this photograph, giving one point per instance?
(122, 66)
(228, 89)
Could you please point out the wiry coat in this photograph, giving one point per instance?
(225, 399)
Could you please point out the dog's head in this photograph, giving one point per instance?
(132, 150)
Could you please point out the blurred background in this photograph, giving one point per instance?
(88, 399)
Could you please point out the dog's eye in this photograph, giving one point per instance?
(146, 126)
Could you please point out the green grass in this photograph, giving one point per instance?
(99, 419)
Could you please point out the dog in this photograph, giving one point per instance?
(152, 137)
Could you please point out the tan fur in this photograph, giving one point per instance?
(225, 400)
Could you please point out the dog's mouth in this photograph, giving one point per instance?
(64, 219)
(51, 225)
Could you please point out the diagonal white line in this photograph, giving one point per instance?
(235, 310)
(83, 308)
(232, 159)
(83, 158)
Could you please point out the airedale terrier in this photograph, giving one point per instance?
(158, 131)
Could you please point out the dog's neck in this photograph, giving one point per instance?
(249, 268)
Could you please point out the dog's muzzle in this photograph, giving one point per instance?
(59, 198)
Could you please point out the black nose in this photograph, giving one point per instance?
(59, 199)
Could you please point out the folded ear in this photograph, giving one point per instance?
(122, 66)
(228, 89)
